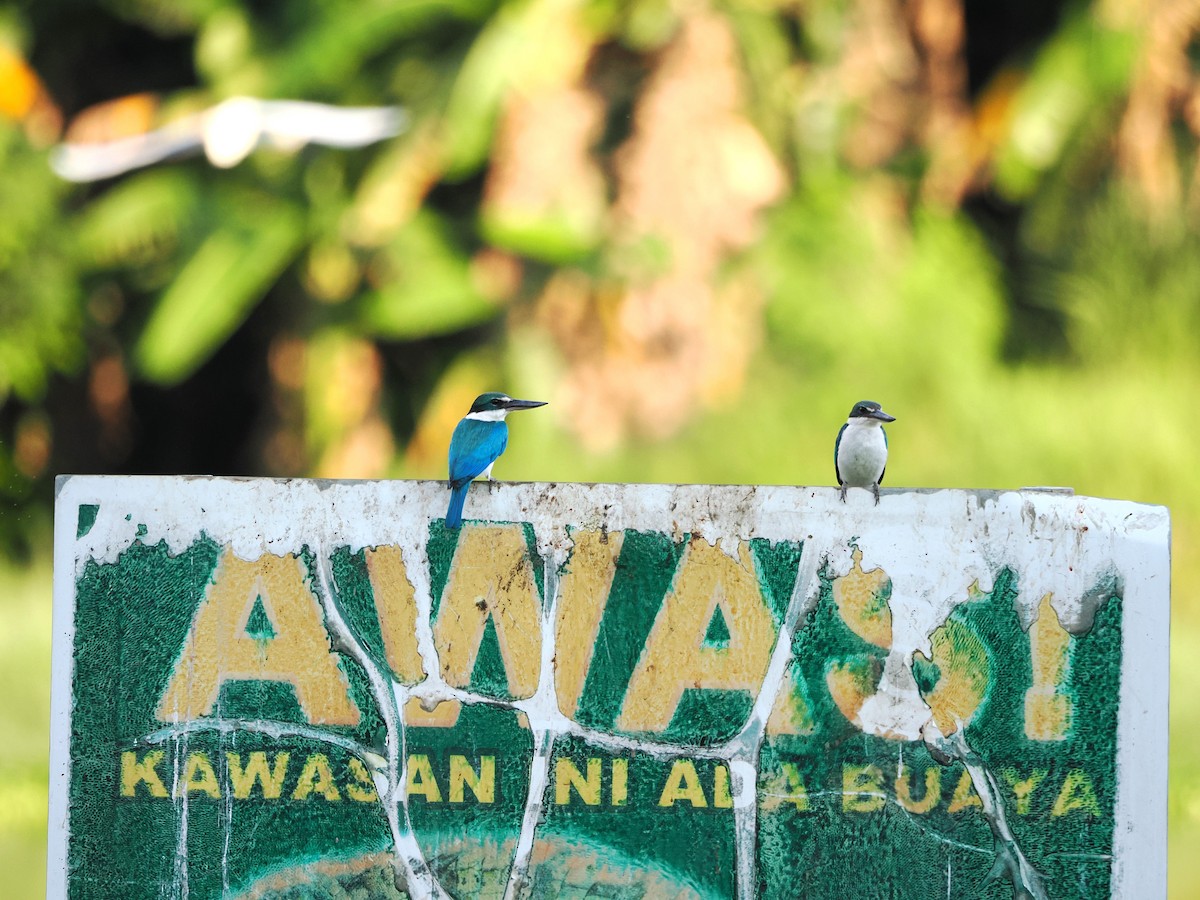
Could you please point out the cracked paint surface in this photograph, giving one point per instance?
(299, 689)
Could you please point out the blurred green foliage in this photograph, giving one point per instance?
(40, 319)
(701, 231)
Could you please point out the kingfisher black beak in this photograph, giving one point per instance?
(880, 414)
(523, 404)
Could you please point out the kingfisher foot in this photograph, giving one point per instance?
(842, 493)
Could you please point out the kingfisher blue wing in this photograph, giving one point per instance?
(836, 445)
(474, 446)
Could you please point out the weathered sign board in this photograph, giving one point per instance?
(285, 689)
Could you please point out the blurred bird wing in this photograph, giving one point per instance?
(292, 123)
(94, 161)
(474, 446)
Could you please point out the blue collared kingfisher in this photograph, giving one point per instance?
(861, 450)
(478, 440)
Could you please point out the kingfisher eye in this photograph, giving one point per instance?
(496, 401)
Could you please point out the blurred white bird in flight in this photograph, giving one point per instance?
(228, 132)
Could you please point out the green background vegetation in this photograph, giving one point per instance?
(701, 230)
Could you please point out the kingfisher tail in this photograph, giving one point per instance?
(458, 496)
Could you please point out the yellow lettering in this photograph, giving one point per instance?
(964, 794)
(583, 593)
(491, 577)
(270, 777)
(316, 777)
(786, 787)
(965, 671)
(362, 788)
(676, 658)
(722, 799)
(481, 783)
(421, 781)
(218, 648)
(396, 603)
(619, 789)
(1023, 789)
(792, 712)
(444, 713)
(136, 771)
(683, 784)
(861, 599)
(851, 680)
(1077, 793)
(567, 776)
(198, 775)
(862, 788)
(1048, 712)
(862, 604)
(931, 797)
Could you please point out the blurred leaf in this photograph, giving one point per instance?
(343, 378)
(649, 24)
(470, 116)
(224, 49)
(138, 221)
(565, 237)
(1084, 66)
(500, 61)
(337, 43)
(426, 286)
(767, 56)
(40, 316)
(214, 292)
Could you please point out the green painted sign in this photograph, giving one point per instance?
(310, 689)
